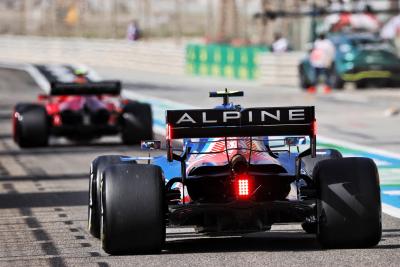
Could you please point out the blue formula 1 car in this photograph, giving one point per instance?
(239, 170)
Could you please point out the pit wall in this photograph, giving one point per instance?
(157, 56)
(224, 61)
(162, 56)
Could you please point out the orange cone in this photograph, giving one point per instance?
(311, 90)
(327, 89)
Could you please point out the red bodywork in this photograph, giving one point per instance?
(57, 104)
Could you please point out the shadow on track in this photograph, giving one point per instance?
(43, 199)
(266, 241)
(35, 177)
(285, 240)
(71, 148)
(6, 136)
(5, 117)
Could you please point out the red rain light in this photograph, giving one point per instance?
(243, 186)
(314, 127)
(169, 132)
(42, 97)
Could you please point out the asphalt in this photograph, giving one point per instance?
(43, 193)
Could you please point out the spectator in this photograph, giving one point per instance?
(346, 19)
(366, 20)
(389, 30)
(321, 59)
(396, 41)
(133, 32)
(280, 43)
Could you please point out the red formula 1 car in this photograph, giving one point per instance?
(81, 111)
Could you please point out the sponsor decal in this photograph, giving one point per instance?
(254, 116)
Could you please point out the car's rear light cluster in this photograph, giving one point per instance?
(243, 189)
(243, 186)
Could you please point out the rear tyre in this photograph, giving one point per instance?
(97, 167)
(137, 123)
(133, 211)
(310, 225)
(308, 163)
(348, 206)
(30, 125)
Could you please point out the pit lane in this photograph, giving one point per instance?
(43, 196)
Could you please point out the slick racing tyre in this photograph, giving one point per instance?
(94, 207)
(30, 125)
(137, 123)
(308, 164)
(348, 204)
(133, 217)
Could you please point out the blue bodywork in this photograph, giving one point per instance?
(173, 169)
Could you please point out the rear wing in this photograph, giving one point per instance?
(271, 121)
(89, 88)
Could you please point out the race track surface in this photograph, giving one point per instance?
(43, 212)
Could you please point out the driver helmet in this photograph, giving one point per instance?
(81, 72)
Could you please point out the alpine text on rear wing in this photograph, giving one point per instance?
(269, 121)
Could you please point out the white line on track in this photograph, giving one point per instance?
(390, 210)
(358, 147)
(38, 77)
(392, 192)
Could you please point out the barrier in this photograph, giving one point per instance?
(161, 56)
(156, 56)
(224, 61)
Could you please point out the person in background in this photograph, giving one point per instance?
(321, 59)
(280, 43)
(390, 32)
(133, 31)
(365, 21)
(396, 41)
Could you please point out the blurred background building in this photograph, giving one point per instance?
(214, 20)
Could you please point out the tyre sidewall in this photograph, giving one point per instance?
(32, 127)
(348, 206)
(133, 212)
(97, 168)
